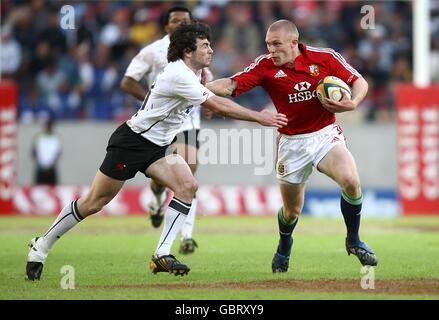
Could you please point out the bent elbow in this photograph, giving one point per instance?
(124, 84)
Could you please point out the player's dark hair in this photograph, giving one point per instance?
(175, 9)
(185, 39)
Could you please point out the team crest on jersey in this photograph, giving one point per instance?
(314, 70)
(280, 168)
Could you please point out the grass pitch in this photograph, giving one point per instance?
(110, 257)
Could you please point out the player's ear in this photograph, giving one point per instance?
(187, 52)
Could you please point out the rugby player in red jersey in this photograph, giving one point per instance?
(289, 73)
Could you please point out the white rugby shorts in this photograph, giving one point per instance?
(297, 154)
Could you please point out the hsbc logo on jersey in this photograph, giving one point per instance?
(302, 86)
(304, 93)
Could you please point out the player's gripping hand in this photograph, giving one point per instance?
(207, 113)
(272, 119)
(345, 104)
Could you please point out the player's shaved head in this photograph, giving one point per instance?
(285, 26)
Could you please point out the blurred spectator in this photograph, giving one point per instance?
(145, 29)
(22, 20)
(53, 34)
(46, 151)
(31, 108)
(49, 82)
(40, 15)
(116, 31)
(10, 53)
(401, 71)
(376, 43)
(104, 79)
(435, 59)
(224, 54)
(87, 26)
(40, 59)
(241, 30)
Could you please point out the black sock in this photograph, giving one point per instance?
(351, 210)
(285, 232)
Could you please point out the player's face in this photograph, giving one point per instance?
(202, 56)
(280, 45)
(175, 19)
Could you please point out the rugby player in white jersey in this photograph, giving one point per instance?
(145, 66)
(143, 143)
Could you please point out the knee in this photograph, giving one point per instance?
(187, 190)
(291, 214)
(351, 185)
(191, 186)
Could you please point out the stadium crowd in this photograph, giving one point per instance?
(75, 73)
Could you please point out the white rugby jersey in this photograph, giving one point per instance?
(169, 103)
(149, 63)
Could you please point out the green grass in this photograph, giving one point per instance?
(111, 257)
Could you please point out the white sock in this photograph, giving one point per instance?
(160, 198)
(67, 219)
(175, 216)
(188, 226)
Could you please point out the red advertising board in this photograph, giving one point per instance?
(8, 153)
(418, 149)
(212, 200)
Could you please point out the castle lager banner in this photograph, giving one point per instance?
(418, 149)
(8, 153)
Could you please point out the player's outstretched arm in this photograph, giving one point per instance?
(222, 87)
(133, 88)
(359, 91)
(233, 110)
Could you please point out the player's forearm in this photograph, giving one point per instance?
(222, 87)
(230, 109)
(359, 90)
(133, 88)
(235, 111)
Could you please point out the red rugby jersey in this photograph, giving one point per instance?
(293, 90)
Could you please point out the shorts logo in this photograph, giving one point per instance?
(280, 168)
(119, 167)
(314, 70)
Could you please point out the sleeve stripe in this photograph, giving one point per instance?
(337, 56)
(253, 65)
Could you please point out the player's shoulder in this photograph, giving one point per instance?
(263, 60)
(162, 43)
(178, 71)
(320, 52)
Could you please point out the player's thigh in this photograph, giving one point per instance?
(293, 196)
(339, 164)
(173, 172)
